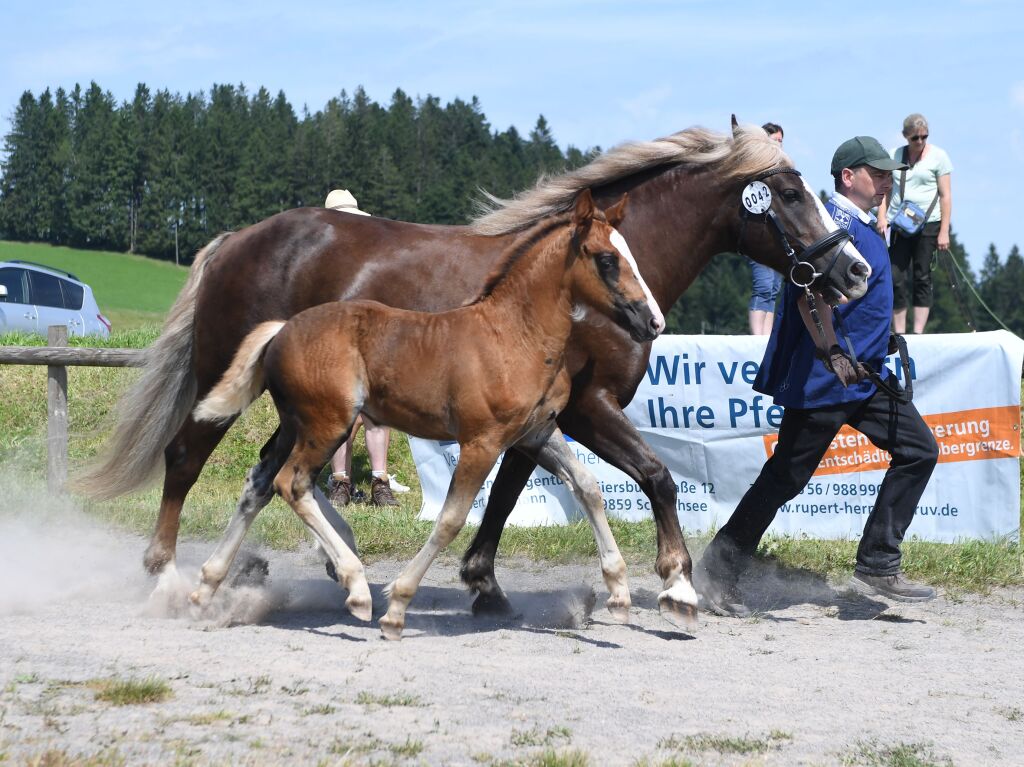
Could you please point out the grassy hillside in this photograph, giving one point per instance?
(132, 291)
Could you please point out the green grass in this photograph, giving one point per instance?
(132, 692)
(115, 279)
(388, 700)
(873, 754)
(61, 758)
(725, 744)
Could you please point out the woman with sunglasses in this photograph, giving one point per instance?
(926, 183)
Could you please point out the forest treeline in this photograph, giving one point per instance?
(161, 174)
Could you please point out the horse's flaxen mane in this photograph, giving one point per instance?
(748, 153)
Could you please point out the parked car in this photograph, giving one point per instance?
(33, 297)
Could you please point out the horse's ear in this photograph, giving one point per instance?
(584, 212)
(735, 127)
(616, 212)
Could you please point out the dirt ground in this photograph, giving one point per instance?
(280, 673)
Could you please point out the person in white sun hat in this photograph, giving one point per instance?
(341, 489)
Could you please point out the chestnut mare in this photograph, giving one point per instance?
(686, 204)
(504, 388)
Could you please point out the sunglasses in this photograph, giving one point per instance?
(919, 138)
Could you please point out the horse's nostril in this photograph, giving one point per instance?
(859, 269)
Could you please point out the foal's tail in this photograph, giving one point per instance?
(152, 411)
(242, 383)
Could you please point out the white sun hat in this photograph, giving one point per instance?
(343, 200)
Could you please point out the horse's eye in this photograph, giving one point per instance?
(606, 260)
(791, 195)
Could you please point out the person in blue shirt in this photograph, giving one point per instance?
(819, 400)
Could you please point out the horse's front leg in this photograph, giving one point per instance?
(597, 421)
(556, 457)
(475, 461)
(478, 562)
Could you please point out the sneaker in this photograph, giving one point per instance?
(719, 596)
(397, 486)
(380, 493)
(897, 587)
(339, 491)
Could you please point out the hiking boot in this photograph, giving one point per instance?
(897, 587)
(719, 595)
(339, 491)
(380, 493)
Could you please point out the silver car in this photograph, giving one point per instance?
(33, 297)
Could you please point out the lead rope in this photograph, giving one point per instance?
(902, 395)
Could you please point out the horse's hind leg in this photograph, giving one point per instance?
(556, 456)
(184, 457)
(256, 494)
(475, 462)
(478, 562)
(295, 484)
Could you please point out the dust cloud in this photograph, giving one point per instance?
(52, 552)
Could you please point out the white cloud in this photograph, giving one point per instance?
(1017, 95)
(648, 104)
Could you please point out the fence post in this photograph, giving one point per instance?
(57, 415)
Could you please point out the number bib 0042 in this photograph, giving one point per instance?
(757, 197)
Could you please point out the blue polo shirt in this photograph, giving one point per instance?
(790, 371)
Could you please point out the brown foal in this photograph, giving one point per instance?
(491, 375)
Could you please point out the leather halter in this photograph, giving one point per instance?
(801, 273)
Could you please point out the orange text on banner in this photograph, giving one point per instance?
(966, 435)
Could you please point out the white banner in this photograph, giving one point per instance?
(696, 409)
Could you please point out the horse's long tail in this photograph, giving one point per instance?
(242, 383)
(155, 407)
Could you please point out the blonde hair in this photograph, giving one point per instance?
(913, 122)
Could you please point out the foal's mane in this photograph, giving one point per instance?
(747, 153)
(524, 245)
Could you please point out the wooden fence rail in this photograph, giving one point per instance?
(57, 356)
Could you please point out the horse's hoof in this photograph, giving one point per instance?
(361, 609)
(493, 603)
(202, 596)
(331, 572)
(155, 561)
(390, 630)
(253, 571)
(619, 612)
(679, 614)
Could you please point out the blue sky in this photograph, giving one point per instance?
(600, 72)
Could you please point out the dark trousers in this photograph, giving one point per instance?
(804, 437)
(911, 256)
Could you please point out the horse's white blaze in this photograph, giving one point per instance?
(831, 226)
(620, 244)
